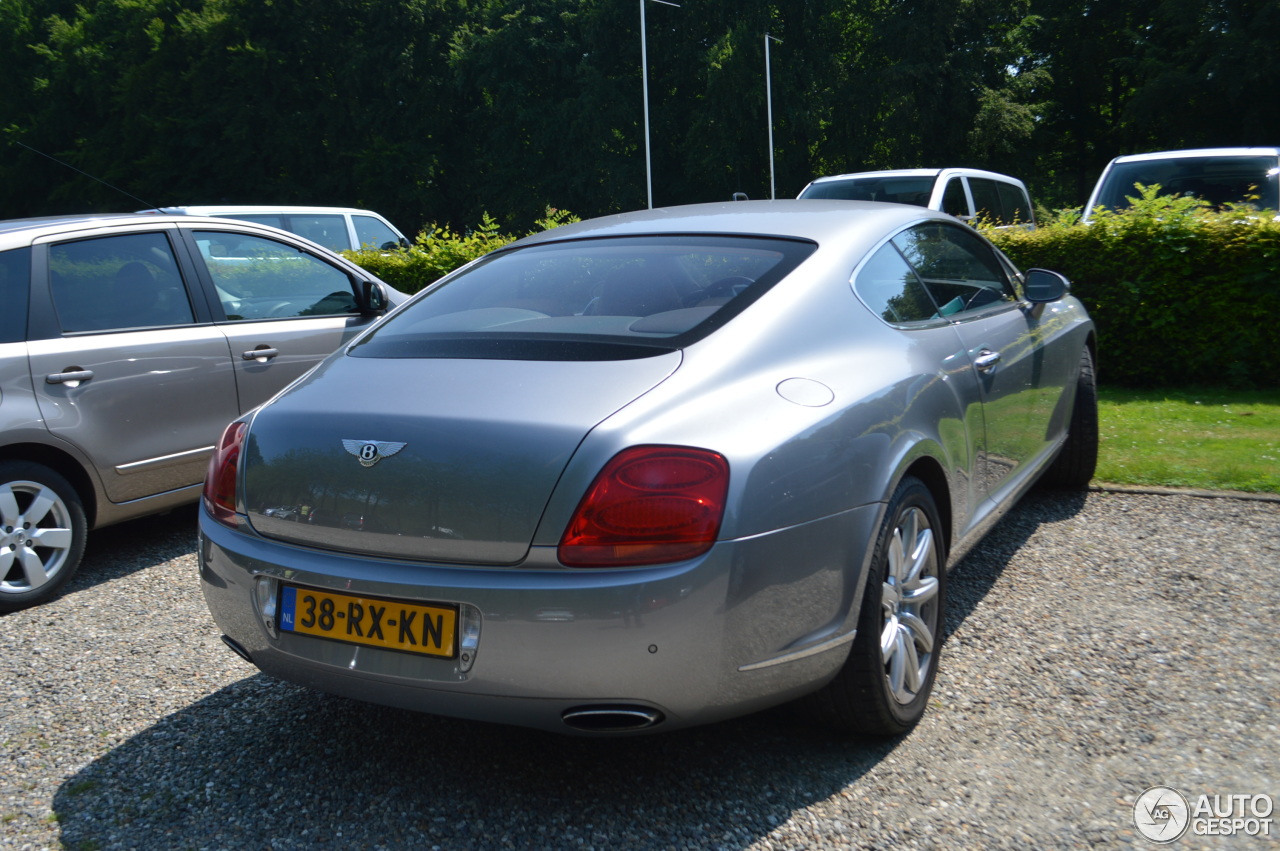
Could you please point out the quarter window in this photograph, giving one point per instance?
(888, 286)
(258, 278)
(129, 281)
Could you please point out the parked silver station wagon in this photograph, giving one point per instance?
(654, 470)
(127, 343)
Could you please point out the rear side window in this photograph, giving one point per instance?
(588, 299)
(15, 272)
(888, 286)
(114, 282)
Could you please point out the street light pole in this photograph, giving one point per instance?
(644, 75)
(768, 97)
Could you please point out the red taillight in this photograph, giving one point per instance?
(649, 505)
(220, 481)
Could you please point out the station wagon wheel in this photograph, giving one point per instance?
(42, 534)
(884, 686)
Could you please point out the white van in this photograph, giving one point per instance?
(336, 228)
(1218, 175)
(965, 193)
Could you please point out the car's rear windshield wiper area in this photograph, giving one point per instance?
(506, 347)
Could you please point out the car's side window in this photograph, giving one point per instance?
(954, 202)
(328, 230)
(1014, 203)
(372, 233)
(888, 286)
(15, 271)
(960, 271)
(111, 282)
(260, 278)
(986, 200)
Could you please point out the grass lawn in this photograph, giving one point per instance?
(1218, 439)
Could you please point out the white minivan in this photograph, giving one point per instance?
(1218, 175)
(336, 228)
(965, 193)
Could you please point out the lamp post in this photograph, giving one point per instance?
(768, 98)
(644, 75)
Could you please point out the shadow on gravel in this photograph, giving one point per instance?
(126, 548)
(265, 764)
(971, 579)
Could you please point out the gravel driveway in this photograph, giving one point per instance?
(1099, 644)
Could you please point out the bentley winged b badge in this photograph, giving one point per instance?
(369, 452)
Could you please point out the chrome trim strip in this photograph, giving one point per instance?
(829, 644)
(164, 460)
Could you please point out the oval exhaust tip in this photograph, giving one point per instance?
(612, 719)
(239, 651)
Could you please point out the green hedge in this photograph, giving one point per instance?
(1181, 294)
(438, 250)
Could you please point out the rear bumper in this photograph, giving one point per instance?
(752, 623)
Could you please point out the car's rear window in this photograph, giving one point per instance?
(591, 299)
(1217, 179)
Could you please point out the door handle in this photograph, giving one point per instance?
(986, 360)
(262, 354)
(71, 376)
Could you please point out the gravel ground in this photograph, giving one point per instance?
(1099, 644)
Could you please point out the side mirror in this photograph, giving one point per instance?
(390, 245)
(740, 196)
(1043, 286)
(373, 298)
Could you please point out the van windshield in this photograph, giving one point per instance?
(1217, 179)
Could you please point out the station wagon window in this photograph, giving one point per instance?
(112, 282)
(259, 278)
(954, 202)
(373, 233)
(15, 270)
(960, 271)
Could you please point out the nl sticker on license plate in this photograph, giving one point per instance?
(413, 627)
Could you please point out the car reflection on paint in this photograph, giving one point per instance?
(656, 470)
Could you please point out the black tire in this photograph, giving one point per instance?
(1078, 459)
(42, 534)
(874, 695)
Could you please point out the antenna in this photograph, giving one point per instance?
(85, 173)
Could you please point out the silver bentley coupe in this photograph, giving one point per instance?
(654, 470)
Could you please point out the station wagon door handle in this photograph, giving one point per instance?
(71, 376)
(263, 354)
(986, 360)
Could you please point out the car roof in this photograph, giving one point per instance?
(18, 232)
(920, 172)
(816, 220)
(258, 209)
(1199, 152)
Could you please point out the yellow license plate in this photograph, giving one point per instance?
(393, 624)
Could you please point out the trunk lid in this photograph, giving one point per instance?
(432, 459)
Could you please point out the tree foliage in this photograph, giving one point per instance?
(441, 110)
